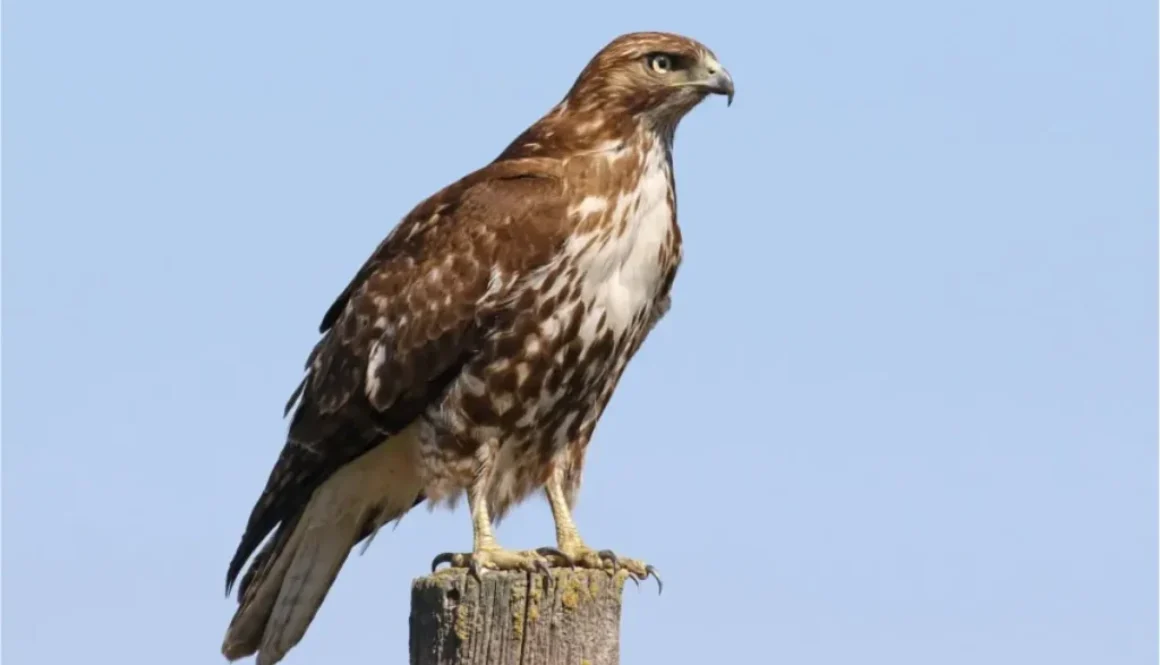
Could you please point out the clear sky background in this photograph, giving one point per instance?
(903, 409)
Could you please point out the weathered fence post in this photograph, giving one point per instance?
(571, 617)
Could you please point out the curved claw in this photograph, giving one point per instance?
(651, 571)
(446, 557)
(542, 567)
(610, 556)
(475, 570)
(552, 551)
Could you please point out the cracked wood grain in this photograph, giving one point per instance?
(516, 618)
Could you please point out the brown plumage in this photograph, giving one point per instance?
(477, 347)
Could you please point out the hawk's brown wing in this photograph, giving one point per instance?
(414, 314)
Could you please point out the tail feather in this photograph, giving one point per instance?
(258, 593)
(291, 576)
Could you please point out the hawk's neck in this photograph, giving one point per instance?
(566, 132)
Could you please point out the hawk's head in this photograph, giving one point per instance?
(654, 75)
(642, 80)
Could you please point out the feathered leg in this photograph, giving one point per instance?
(572, 549)
(486, 552)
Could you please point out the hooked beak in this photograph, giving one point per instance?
(720, 82)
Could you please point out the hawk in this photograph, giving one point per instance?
(477, 347)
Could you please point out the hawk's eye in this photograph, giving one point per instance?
(660, 63)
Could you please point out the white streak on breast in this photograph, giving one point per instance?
(621, 275)
(590, 205)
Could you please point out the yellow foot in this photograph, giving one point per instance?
(494, 558)
(583, 556)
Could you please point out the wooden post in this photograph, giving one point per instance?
(514, 618)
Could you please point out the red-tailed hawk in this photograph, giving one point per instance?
(478, 346)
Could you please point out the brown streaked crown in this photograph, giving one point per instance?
(623, 76)
(654, 77)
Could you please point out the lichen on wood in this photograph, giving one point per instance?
(570, 617)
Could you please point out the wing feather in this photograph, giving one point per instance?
(402, 329)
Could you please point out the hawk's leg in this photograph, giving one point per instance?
(486, 552)
(572, 550)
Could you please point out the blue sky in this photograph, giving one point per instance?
(903, 409)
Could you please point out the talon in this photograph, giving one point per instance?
(475, 570)
(552, 551)
(446, 557)
(611, 557)
(649, 570)
(542, 566)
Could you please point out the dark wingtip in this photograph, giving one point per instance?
(236, 563)
(232, 576)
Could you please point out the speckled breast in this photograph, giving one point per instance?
(548, 370)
